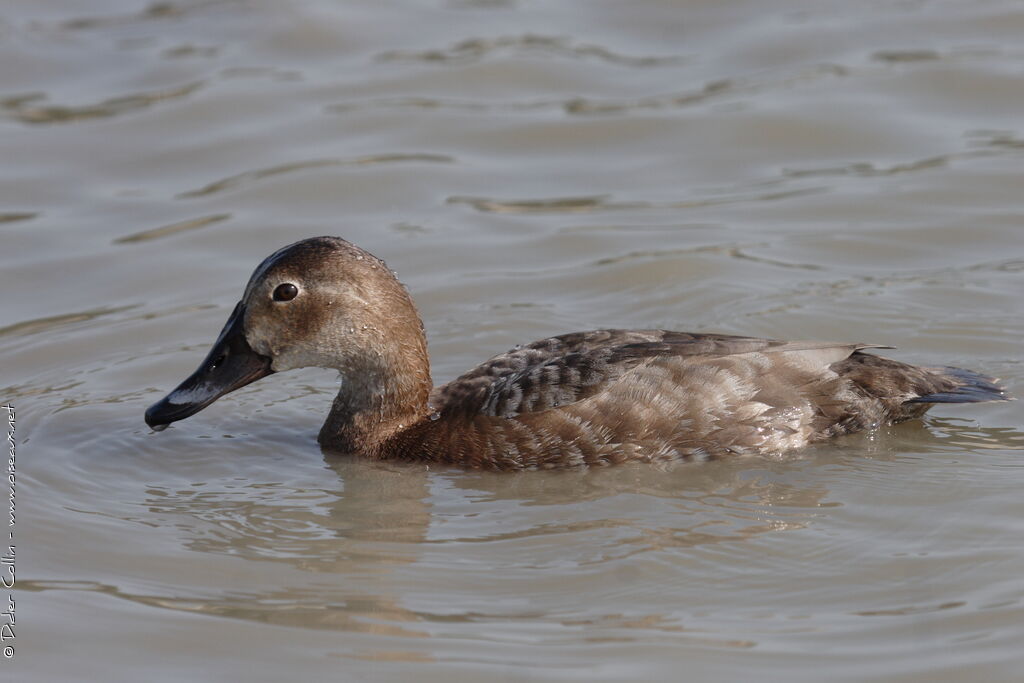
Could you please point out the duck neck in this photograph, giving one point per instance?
(379, 397)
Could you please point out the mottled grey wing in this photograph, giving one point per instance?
(562, 370)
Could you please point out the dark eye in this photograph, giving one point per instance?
(286, 292)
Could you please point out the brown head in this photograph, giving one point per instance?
(321, 302)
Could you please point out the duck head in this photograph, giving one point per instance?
(320, 302)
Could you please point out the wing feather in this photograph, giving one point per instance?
(563, 370)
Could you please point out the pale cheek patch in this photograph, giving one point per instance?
(300, 358)
(258, 342)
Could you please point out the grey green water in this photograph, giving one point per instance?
(818, 170)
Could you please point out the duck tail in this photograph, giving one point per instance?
(964, 386)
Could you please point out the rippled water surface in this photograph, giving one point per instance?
(821, 170)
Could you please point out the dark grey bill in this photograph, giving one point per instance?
(230, 365)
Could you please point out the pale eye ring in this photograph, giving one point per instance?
(285, 292)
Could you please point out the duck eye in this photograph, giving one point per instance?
(286, 292)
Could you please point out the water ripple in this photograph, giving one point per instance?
(157, 11)
(250, 176)
(553, 205)
(596, 203)
(15, 216)
(910, 610)
(477, 49)
(50, 323)
(440, 103)
(868, 170)
(28, 109)
(173, 228)
(582, 105)
(892, 56)
(999, 139)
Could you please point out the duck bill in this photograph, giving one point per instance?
(230, 365)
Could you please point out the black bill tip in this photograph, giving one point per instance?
(231, 364)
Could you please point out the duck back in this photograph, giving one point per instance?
(607, 396)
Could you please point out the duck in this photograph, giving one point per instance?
(583, 399)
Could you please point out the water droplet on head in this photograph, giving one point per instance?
(434, 416)
(359, 257)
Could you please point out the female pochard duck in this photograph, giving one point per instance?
(588, 398)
